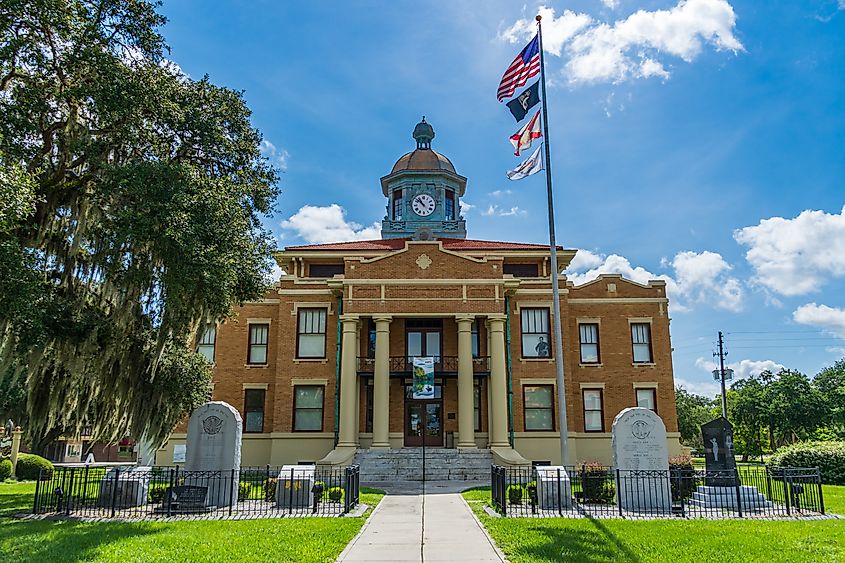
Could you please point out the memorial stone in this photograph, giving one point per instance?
(719, 452)
(295, 486)
(721, 488)
(213, 452)
(641, 455)
(132, 486)
(554, 488)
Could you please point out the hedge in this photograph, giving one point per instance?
(5, 469)
(29, 466)
(828, 456)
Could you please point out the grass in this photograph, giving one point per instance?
(559, 539)
(286, 539)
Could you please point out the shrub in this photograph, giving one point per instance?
(5, 469)
(29, 466)
(515, 493)
(335, 494)
(245, 489)
(596, 484)
(270, 489)
(157, 492)
(682, 477)
(828, 456)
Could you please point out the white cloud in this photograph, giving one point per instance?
(613, 4)
(628, 48)
(556, 31)
(830, 319)
(501, 193)
(279, 157)
(698, 277)
(466, 207)
(707, 389)
(795, 256)
(501, 212)
(328, 224)
(743, 369)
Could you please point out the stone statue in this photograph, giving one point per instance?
(10, 427)
(715, 449)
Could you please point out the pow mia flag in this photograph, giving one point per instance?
(520, 105)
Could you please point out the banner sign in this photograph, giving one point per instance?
(423, 378)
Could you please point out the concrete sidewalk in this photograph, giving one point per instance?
(417, 527)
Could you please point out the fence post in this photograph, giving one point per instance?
(35, 503)
(618, 491)
(232, 489)
(738, 492)
(290, 487)
(69, 497)
(169, 496)
(346, 489)
(114, 490)
(787, 485)
(821, 489)
(559, 500)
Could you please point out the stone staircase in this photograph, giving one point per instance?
(406, 464)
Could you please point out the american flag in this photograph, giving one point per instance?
(524, 66)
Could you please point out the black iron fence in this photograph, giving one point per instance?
(442, 364)
(599, 491)
(248, 492)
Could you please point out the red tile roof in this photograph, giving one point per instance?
(399, 243)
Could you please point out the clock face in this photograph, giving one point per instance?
(423, 205)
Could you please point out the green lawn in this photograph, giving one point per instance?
(526, 540)
(286, 539)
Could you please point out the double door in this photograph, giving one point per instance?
(423, 422)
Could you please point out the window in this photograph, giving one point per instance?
(647, 399)
(450, 206)
(476, 407)
(371, 339)
(476, 351)
(641, 340)
(539, 407)
(535, 333)
(397, 205)
(368, 424)
(589, 343)
(125, 452)
(308, 408)
(521, 270)
(205, 343)
(593, 410)
(325, 270)
(254, 410)
(257, 353)
(311, 331)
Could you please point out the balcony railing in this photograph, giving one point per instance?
(442, 364)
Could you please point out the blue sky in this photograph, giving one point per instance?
(700, 142)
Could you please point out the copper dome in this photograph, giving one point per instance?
(423, 159)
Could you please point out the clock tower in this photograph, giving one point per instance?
(423, 193)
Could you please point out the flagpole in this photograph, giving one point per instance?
(561, 389)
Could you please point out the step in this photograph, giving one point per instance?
(406, 464)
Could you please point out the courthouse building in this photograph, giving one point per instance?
(322, 366)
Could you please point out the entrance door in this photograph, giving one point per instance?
(423, 423)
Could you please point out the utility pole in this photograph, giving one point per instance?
(722, 375)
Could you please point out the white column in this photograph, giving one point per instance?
(498, 384)
(466, 408)
(348, 383)
(381, 384)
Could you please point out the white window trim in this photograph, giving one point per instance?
(263, 386)
(304, 381)
(596, 385)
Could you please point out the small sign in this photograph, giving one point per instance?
(90, 459)
(179, 453)
(423, 378)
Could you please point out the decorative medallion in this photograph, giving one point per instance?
(424, 261)
(640, 429)
(212, 424)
